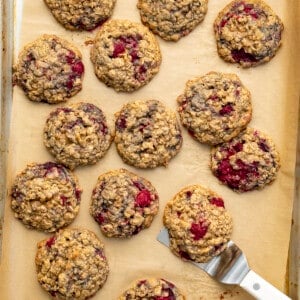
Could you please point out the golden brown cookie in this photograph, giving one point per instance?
(123, 203)
(147, 134)
(248, 32)
(45, 196)
(215, 107)
(50, 69)
(125, 55)
(77, 134)
(247, 162)
(71, 264)
(199, 226)
(170, 19)
(81, 15)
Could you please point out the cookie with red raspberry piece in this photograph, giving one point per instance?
(125, 55)
(172, 20)
(77, 134)
(199, 226)
(45, 196)
(81, 15)
(215, 107)
(152, 289)
(71, 264)
(249, 161)
(50, 69)
(147, 134)
(123, 203)
(248, 32)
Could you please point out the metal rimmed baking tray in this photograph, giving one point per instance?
(275, 90)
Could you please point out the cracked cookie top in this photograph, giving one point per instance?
(77, 134)
(147, 134)
(81, 15)
(45, 196)
(247, 32)
(170, 19)
(125, 55)
(247, 162)
(198, 224)
(123, 203)
(215, 107)
(49, 70)
(71, 264)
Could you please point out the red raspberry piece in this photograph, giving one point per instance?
(100, 219)
(217, 202)
(198, 230)
(70, 57)
(263, 146)
(226, 110)
(50, 242)
(143, 198)
(119, 48)
(121, 123)
(184, 255)
(240, 55)
(64, 200)
(78, 68)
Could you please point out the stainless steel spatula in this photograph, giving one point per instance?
(231, 267)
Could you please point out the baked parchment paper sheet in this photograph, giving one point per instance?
(262, 219)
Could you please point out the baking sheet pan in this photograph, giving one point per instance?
(262, 218)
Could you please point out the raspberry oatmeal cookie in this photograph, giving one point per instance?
(45, 196)
(71, 264)
(49, 70)
(123, 203)
(170, 19)
(249, 161)
(125, 55)
(152, 289)
(215, 107)
(77, 134)
(147, 134)
(81, 15)
(248, 32)
(198, 224)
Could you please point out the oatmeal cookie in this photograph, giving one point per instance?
(152, 289)
(248, 32)
(215, 107)
(77, 134)
(45, 196)
(71, 264)
(247, 162)
(147, 134)
(170, 19)
(123, 203)
(198, 224)
(125, 55)
(49, 70)
(81, 15)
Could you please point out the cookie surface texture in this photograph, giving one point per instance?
(198, 224)
(81, 15)
(45, 196)
(147, 134)
(123, 203)
(49, 70)
(249, 161)
(215, 107)
(71, 264)
(77, 134)
(248, 32)
(125, 55)
(152, 288)
(172, 20)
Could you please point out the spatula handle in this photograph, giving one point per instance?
(261, 289)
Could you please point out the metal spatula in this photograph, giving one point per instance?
(231, 267)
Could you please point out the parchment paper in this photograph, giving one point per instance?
(262, 219)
